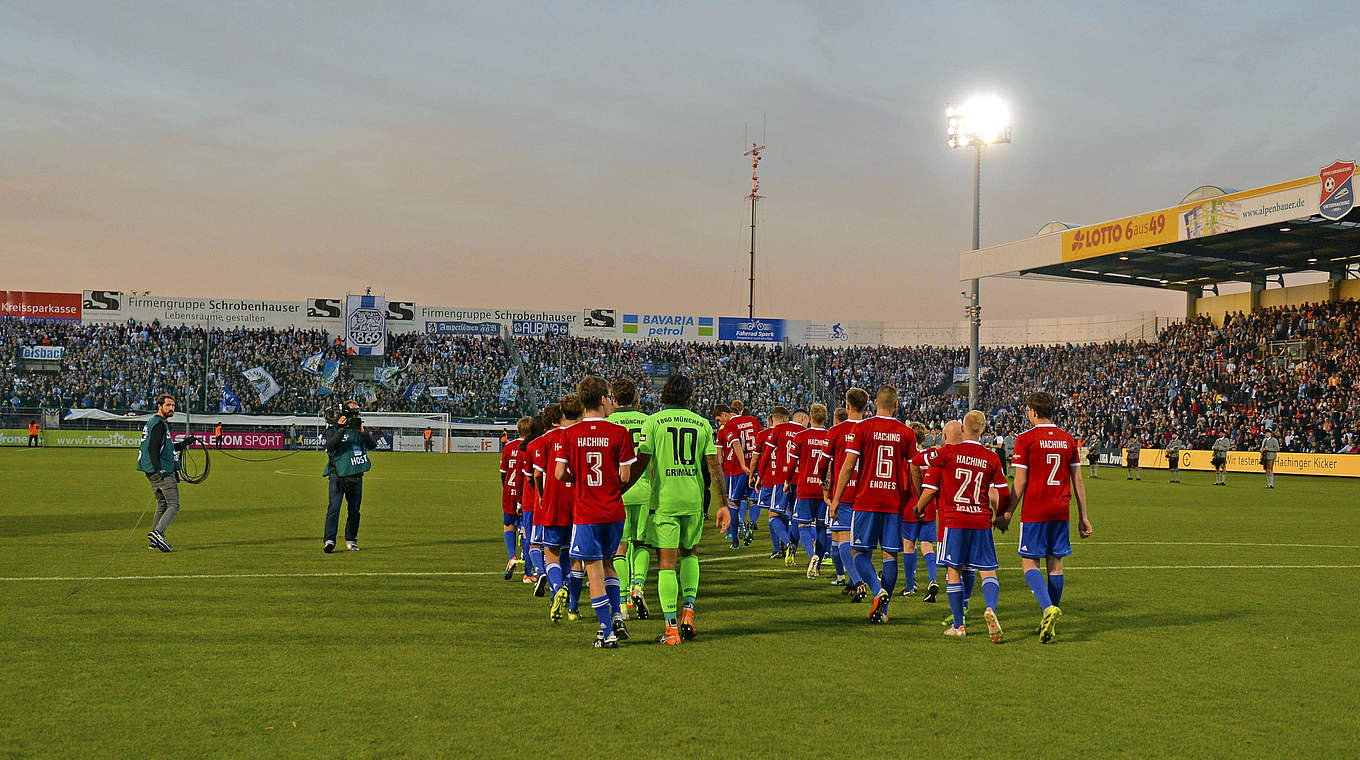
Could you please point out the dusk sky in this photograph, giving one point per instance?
(570, 155)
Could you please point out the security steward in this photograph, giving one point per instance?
(159, 459)
(347, 446)
(429, 439)
(33, 434)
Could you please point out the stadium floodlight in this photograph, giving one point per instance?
(982, 120)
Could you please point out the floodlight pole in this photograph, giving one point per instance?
(974, 312)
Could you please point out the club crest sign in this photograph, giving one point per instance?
(366, 325)
(1338, 190)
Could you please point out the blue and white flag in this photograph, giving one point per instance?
(509, 386)
(330, 374)
(389, 376)
(313, 364)
(414, 391)
(366, 325)
(230, 404)
(263, 382)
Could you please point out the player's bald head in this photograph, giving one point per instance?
(953, 432)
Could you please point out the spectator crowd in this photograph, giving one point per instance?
(1291, 371)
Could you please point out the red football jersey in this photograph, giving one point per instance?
(964, 474)
(741, 428)
(884, 447)
(921, 460)
(1049, 454)
(512, 476)
(767, 472)
(528, 494)
(728, 454)
(555, 508)
(835, 457)
(809, 446)
(594, 449)
(777, 449)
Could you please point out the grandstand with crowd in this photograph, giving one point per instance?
(1292, 370)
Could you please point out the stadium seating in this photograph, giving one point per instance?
(1295, 370)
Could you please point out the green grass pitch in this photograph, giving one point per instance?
(1198, 622)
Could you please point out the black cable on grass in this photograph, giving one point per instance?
(116, 552)
(188, 472)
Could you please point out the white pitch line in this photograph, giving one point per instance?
(1072, 568)
(457, 573)
(1219, 543)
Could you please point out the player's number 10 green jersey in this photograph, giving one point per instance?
(677, 440)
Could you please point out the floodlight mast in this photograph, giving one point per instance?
(755, 195)
(980, 121)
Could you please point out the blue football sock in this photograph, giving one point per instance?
(536, 556)
(575, 581)
(836, 558)
(911, 569)
(510, 544)
(848, 560)
(554, 576)
(955, 593)
(1035, 580)
(808, 536)
(865, 565)
(611, 591)
(602, 611)
(733, 512)
(775, 541)
(1055, 585)
(930, 566)
(890, 573)
(991, 590)
(823, 541)
(968, 577)
(753, 512)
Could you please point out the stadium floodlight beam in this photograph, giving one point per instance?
(981, 121)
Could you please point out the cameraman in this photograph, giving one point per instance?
(159, 459)
(347, 445)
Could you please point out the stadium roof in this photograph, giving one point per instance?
(1213, 235)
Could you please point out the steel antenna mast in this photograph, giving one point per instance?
(755, 195)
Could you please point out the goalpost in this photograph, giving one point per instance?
(408, 429)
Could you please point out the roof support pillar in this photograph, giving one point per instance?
(1335, 277)
(1258, 286)
(1191, 301)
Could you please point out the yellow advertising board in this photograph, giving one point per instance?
(1339, 465)
(1226, 213)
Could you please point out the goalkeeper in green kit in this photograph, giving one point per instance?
(677, 445)
(632, 556)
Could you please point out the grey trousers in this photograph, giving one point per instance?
(166, 489)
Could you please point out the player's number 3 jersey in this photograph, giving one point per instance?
(593, 450)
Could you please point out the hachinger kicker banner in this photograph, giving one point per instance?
(1336, 465)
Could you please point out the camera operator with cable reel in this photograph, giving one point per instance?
(347, 445)
(159, 459)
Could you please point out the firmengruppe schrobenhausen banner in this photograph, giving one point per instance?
(328, 314)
